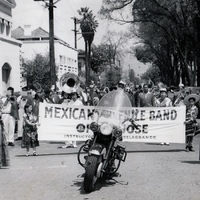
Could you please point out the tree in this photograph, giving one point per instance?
(131, 75)
(99, 58)
(37, 72)
(114, 44)
(169, 31)
(109, 52)
(88, 26)
(153, 74)
(110, 76)
(166, 30)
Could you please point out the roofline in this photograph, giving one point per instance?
(47, 41)
(66, 44)
(55, 37)
(11, 41)
(8, 3)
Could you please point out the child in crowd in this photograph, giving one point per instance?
(191, 115)
(30, 136)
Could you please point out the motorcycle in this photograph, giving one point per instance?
(102, 154)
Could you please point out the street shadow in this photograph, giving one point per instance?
(49, 154)
(153, 144)
(107, 181)
(191, 162)
(79, 183)
(4, 167)
(157, 151)
(136, 151)
(57, 142)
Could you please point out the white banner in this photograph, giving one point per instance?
(61, 123)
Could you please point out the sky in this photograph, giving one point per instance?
(34, 13)
(30, 12)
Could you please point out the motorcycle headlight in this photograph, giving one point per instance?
(94, 126)
(118, 133)
(106, 128)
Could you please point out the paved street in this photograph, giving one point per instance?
(151, 171)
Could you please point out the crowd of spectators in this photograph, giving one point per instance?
(24, 107)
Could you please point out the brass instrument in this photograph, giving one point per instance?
(69, 82)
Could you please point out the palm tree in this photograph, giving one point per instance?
(88, 26)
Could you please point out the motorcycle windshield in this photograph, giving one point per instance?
(110, 108)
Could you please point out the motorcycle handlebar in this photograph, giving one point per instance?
(132, 122)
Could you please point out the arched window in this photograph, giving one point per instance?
(6, 69)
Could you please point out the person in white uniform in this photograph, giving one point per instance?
(75, 101)
(163, 101)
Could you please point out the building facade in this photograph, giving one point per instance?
(9, 49)
(37, 42)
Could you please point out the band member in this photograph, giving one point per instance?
(75, 101)
(163, 101)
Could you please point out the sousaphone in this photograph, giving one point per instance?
(69, 82)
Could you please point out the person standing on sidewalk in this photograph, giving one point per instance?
(10, 115)
(21, 100)
(4, 154)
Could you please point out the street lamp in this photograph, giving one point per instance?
(50, 5)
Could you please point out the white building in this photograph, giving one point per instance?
(9, 49)
(37, 42)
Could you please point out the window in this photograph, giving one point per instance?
(62, 59)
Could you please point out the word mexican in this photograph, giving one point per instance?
(67, 113)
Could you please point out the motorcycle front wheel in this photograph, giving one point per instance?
(90, 173)
(82, 154)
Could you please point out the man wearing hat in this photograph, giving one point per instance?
(163, 101)
(121, 84)
(10, 115)
(179, 96)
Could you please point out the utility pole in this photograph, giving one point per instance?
(75, 32)
(51, 45)
(50, 5)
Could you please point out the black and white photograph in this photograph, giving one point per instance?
(99, 99)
